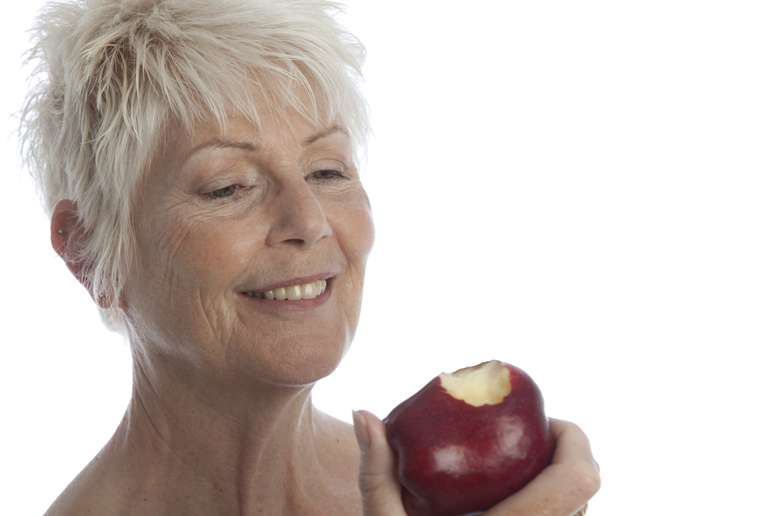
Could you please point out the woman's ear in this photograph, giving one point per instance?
(67, 235)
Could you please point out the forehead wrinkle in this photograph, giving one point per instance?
(259, 145)
(222, 143)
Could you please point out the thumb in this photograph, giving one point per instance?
(379, 487)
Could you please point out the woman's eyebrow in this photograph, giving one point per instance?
(325, 132)
(220, 143)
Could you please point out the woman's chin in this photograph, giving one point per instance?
(298, 362)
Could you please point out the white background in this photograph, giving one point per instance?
(583, 189)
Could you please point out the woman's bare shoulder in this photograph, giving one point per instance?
(90, 493)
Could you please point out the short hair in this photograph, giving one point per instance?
(111, 75)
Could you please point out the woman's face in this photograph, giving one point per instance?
(224, 215)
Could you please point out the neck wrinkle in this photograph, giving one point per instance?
(187, 443)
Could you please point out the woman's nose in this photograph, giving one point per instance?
(299, 217)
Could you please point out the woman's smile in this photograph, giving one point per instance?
(295, 297)
(200, 163)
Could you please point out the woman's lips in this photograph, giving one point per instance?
(293, 305)
(297, 281)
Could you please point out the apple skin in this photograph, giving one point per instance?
(455, 458)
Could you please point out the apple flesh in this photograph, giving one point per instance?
(469, 439)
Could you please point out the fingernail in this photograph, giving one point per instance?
(361, 430)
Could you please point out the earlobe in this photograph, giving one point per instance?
(103, 301)
(67, 236)
(64, 222)
(64, 227)
(58, 239)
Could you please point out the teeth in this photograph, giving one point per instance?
(310, 290)
(294, 293)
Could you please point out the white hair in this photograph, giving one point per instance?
(111, 75)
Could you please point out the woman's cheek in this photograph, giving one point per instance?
(358, 218)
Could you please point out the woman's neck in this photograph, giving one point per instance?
(213, 449)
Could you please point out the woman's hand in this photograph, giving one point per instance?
(565, 486)
(562, 489)
(379, 486)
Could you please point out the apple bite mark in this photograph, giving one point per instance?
(485, 384)
(469, 439)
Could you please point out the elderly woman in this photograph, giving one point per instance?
(199, 161)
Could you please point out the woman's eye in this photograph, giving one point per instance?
(328, 174)
(222, 193)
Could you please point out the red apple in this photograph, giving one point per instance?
(469, 439)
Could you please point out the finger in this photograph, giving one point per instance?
(572, 443)
(565, 486)
(560, 490)
(379, 486)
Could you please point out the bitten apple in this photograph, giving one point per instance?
(469, 439)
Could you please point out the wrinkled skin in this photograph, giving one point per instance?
(221, 419)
